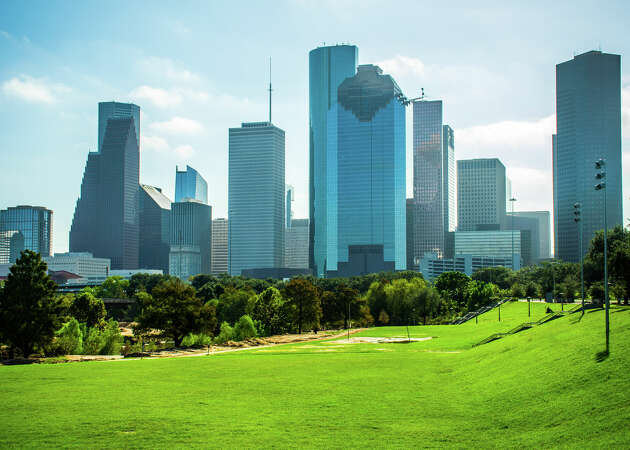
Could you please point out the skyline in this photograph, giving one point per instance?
(57, 66)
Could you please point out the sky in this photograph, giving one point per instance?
(199, 68)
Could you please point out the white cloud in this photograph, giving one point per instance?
(172, 70)
(178, 125)
(153, 143)
(184, 151)
(33, 90)
(401, 66)
(159, 97)
(5, 34)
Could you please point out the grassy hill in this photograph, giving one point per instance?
(540, 387)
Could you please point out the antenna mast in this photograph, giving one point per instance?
(270, 89)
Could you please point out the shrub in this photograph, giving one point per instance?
(112, 339)
(196, 340)
(93, 342)
(245, 328)
(69, 338)
(225, 334)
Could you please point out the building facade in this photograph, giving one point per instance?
(256, 197)
(500, 244)
(481, 194)
(296, 245)
(191, 239)
(25, 228)
(542, 235)
(328, 68)
(412, 263)
(219, 246)
(588, 112)
(155, 223)
(114, 110)
(83, 264)
(288, 208)
(106, 215)
(190, 184)
(432, 267)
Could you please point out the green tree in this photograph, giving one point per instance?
(175, 311)
(269, 310)
(532, 290)
(303, 297)
(234, 303)
(517, 291)
(244, 328)
(88, 309)
(426, 303)
(113, 287)
(453, 286)
(30, 313)
(377, 300)
(618, 258)
(480, 294)
(69, 339)
(501, 276)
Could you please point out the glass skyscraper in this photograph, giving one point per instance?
(588, 111)
(110, 110)
(25, 228)
(189, 184)
(256, 196)
(106, 216)
(191, 239)
(219, 246)
(155, 216)
(433, 178)
(328, 68)
(365, 176)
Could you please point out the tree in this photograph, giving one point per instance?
(30, 313)
(268, 309)
(453, 286)
(377, 300)
(113, 287)
(144, 282)
(480, 294)
(501, 276)
(426, 303)
(383, 317)
(517, 291)
(303, 297)
(175, 311)
(532, 290)
(234, 303)
(88, 309)
(244, 328)
(618, 258)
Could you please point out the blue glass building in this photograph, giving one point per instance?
(155, 216)
(189, 184)
(588, 111)
(111, 110)
(256, 196)
(25, 228)
(190, 238)
(328, 68)
(365, 176)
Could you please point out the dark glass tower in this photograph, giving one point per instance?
(112, 110)
(366, 205)
(328, 68)
(106, 218)
(588, 111)
(155, 216)
(27, 228)
(190, 239)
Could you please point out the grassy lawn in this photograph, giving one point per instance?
(540, 387)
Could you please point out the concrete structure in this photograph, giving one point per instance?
(155, 218)
(83, 264)
(296, 244)
(256, 197)
(588, 111)
(190, 239)
(431, 266)
(189, 184)
(25, 228)
(106, 216)
(498, 244)
(328, 68)
(481, 194)
(219, 246)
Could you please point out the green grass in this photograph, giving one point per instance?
(540, 387)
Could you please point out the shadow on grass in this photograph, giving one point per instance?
(602, 356)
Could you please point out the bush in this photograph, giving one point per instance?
(245, 328)
(69, 338)
(112, 340)
(225, 334)
(196, 340)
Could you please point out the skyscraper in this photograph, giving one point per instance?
(106, 219)
(365, 177)
(191, 238)
(219, 246)
(256, 197)
(189, 184)
(155, 216)
(26, 228)
(113, 110)
(288, 209)
(481, 194)
(328, 68)
(296, 245)
(411, 263)
(588, 112)
(541, 239)
(433, 178)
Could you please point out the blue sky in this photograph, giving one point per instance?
(198, 68)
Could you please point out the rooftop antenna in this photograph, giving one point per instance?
(270, 89)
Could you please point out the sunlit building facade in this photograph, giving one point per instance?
(190, 184)
(25, 228)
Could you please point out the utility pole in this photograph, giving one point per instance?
(577, 212)
(600, 166)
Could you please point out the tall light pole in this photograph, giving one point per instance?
(512, 200)
(577, 212)
(600, 166)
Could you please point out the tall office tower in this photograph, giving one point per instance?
(288, 209)
(433, 178)
(508, 194)
(588, 112)
(26, 228)
(296, 245)
(328, 68)
(11, 245)
(106, 219)
(539, 223)
(155, 217)
(191, 238)
(189, 184)
(366, 208)
(219, 246)
(115, 110)
(256, 197)
(411, 264)
(481, 195)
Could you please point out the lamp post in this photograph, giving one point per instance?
(600, 176)
(577, 212)
(512, 200)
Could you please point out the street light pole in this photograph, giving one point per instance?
(577, 211)
(600, 166)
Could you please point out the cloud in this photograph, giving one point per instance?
(153, 143)
(172, 70)
(159, 97)
(178, 125)
(33, 90)
(401, 66)
(5, 34)
(184, 151)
